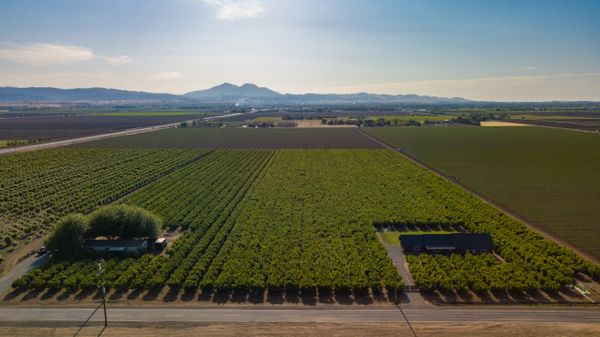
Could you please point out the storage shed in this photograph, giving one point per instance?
(116, 247)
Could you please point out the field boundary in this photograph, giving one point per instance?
(481, 197)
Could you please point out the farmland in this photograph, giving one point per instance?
(301, 220)
(418, 118)
(549, 177)
(239, 138)
(58, 127)
(38, 188)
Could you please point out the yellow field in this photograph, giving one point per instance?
(500, 123)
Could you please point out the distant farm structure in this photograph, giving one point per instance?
(461, 243)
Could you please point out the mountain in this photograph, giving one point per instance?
(362, 98)
(37, 94)
(228, 92)
(252, 94)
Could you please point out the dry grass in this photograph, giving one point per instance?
(498, 123)
(316, 123)
(315, 329)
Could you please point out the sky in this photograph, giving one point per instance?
(519, 50)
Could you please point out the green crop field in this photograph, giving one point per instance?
(550, 177)
(37, 188)
(238, 138)
(297, 219)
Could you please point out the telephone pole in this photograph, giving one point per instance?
(101, 285)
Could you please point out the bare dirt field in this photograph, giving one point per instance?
(375, 329)
(66, 127)
(499, 123)
(316, 123)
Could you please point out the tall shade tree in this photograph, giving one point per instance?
(125, 222)
(66, 240)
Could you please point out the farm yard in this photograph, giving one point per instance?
(239, 138)
(549, 177)
(279, 222)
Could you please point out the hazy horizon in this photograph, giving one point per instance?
(495, 51)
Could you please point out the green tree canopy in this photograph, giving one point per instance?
(124, 221)
(66, 240)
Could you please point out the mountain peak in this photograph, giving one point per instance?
(228, 91)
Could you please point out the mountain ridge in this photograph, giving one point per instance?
(227, 93)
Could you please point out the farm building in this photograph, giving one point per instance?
(460, 243)
(116, 247)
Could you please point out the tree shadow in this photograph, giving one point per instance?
(65, 295)
(380, 296)
(362, 296)
(15, 293)
(430, 296)
(117, 294)
(33, 294)
(344, 296)
(292, 296)
(221, 296)
(326, 295)
(206, 295)
(256, 296)
(134, 294)
(275, 296)
(172, 295)
(152, 294)
(309, 296)
(84, 293)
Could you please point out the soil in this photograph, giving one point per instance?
(425, 329)
(59, 127)
(21, 252)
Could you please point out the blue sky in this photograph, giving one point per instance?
(480, 49)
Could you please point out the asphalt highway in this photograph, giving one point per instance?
(506, 315)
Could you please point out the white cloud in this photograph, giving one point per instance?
(165, 75)
(529, 68)
(237, 9)
(118, 59)
(44, 53)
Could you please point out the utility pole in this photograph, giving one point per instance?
(396, 288)
(101, 285)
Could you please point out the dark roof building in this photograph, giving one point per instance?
(115, 247)
(461, 243)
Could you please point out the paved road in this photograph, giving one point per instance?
(128, 132)
(36, 315)
(19, 270)
(408, 298)
(28, 148)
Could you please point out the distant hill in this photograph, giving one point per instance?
(250, 93)
(231, 92)
(37, 94)
(224, 93)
